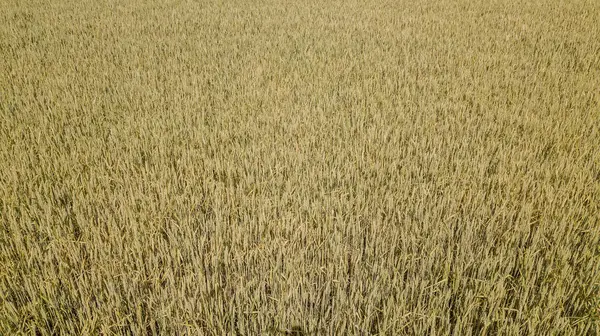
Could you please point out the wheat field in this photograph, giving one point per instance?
(263, 167)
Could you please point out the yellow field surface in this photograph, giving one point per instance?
(271, 167)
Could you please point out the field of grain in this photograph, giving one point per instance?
(263, 167)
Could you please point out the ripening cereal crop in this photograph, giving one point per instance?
(263, 167)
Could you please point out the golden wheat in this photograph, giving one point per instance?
(278, 167)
